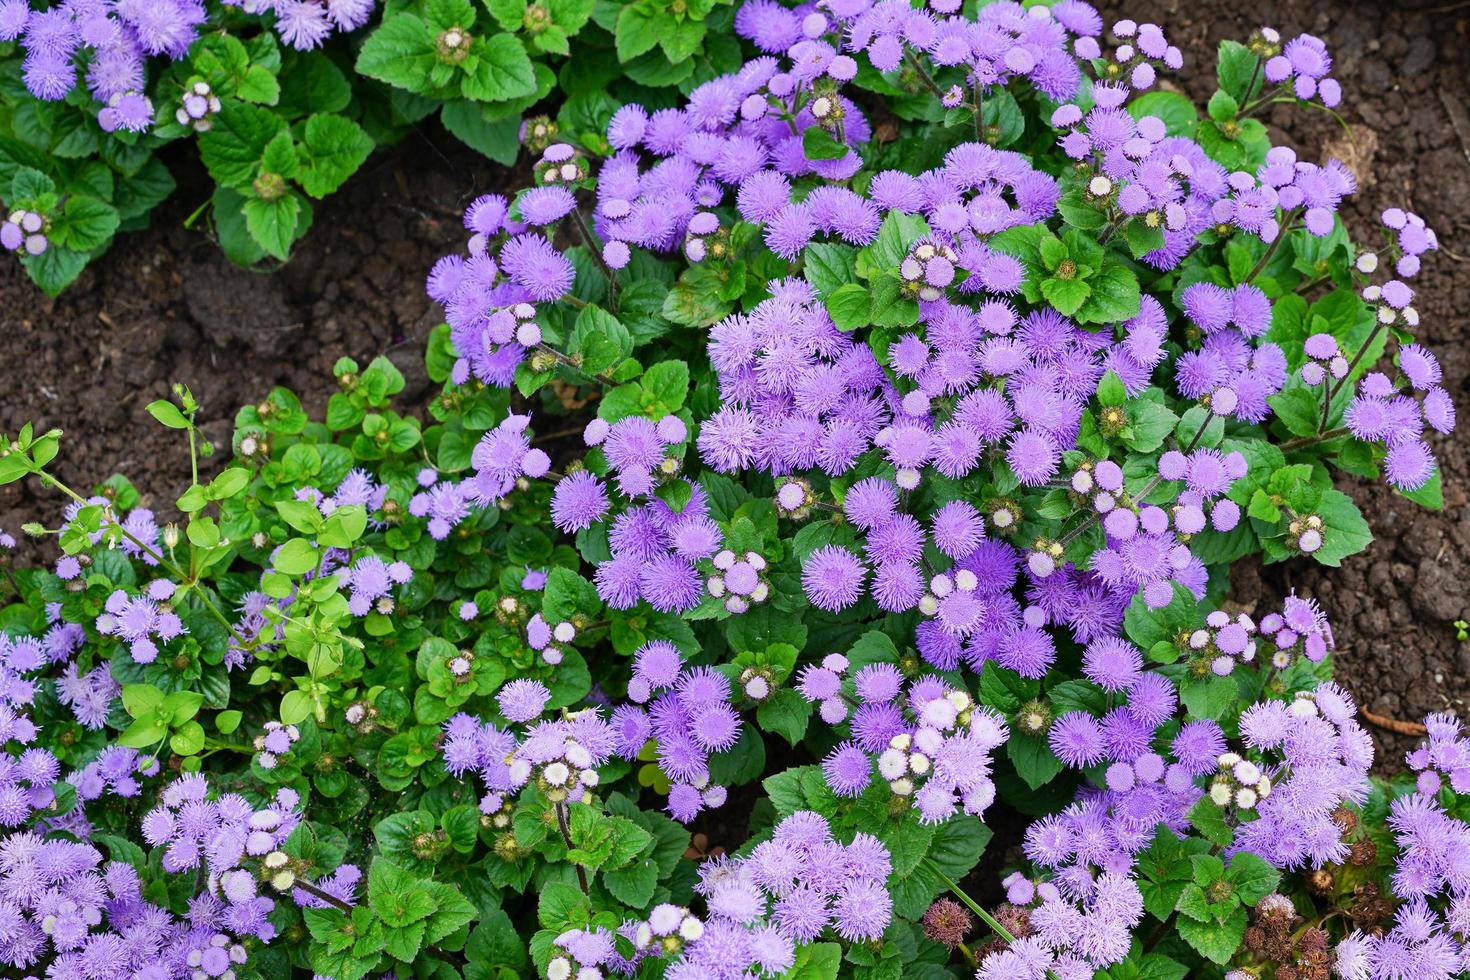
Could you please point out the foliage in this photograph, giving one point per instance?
(829, 494)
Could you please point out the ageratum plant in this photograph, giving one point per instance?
(797, 506)
(90, 91)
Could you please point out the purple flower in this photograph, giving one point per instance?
(832, 578)
(522, 700)
(578, 502)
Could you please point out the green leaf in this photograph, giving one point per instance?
(1209, 820)
(1431, 495)
(1034, 760)
(1298, 407)
(1115, 295)
(188, 739)
(815, 961)
(227, 721)
(638, 29)
(600, 338)
(233, 147)
(331, 150)
(1142, 237)
(664, 387)
(1235, 66)
(401, 52)
(85, 223)
(1222, 107)
(498, 140)
(1216, 942)
(1110, 390)
(828, 267)
(1065, 295)
(786, 713)
(138, 699)
(274, 224)
(144, 733)
(849, 307)
(1345, 532)
(1211, 697)
(634, 885)
(295, 707)
(167, 413)
(1253, 878)
(1176, 111)
(300, 514)
(504, 71)
(55, 269)
(818, 144)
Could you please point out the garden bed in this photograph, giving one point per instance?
(165, 306)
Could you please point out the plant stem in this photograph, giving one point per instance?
(1304, 441)
(193, 457)
(561, 358)
(566, 836)
(327, 897)
(167, 564)
(975, 907)
(980, 113)
(1094, 517)
(1275, 244)
(1250, 87)
(1377, 329)
(580, 223)
(924, 77)
(189, 221)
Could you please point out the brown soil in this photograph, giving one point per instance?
(165, 306)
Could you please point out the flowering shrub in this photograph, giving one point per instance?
(799, 504)
(267, 87)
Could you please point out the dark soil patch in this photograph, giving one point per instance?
(165, 306)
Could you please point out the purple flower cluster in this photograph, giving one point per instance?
(1426, 941)
(306, 24)
(1386, 411)
(144, 622)
(546, 639)
(561, 755)
(1288, 187)
(1303, 64)
(110, 39)
(1169, 183)
(1444, 756)
(638, 450)
(796, 393)
(89, 695)
(689, 715)
(787, 892)
(1300, 627)
(654, 554)
(273, 742)
(219, 833)
(931, 742)
(445, 503)
(1315, 757)
(1231, 370)
(1076, 932)
(24, 231)
(502, 457)
(372, 581)
(58, 900)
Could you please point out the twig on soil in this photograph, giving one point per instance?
(1413, 729)
(1456, 113)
